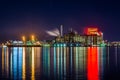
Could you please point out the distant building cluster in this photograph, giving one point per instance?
(31, 42)
(90, 37)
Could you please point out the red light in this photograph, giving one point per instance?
(92, 31)
(92, 64)
(100, 33)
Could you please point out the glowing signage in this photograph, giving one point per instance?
(92, 31)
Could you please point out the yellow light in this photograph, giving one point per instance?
(3, 60)
(33, 65)
(23, 38)
(23, 65)
(33, 38)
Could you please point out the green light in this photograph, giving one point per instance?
(47, 45)
(29, 43)
(102, 45)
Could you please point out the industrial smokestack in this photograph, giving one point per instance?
(61, 30)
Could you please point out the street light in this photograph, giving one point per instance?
(33, 38)
(23, 38)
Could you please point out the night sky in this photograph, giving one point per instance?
(19, 18)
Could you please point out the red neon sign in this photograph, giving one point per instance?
(92, 31)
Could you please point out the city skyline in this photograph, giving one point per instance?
(19, 18)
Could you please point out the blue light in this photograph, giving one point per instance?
(77, 44)
(61, 44)
(57, 44)
(20, 61)
(54, 44)
(64, 44)
(15, 61)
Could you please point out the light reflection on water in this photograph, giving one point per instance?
(60, 63)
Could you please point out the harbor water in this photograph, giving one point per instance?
(60, 63)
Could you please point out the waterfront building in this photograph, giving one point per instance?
(91, 36)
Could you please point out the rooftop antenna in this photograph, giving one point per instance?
(61, 30)
(70, 29)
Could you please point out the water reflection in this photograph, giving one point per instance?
(23, 65)
(33, 65)
(92, 63)
(59, 63)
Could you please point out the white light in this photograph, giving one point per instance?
(4, 46)
(54, 32)
(51, 33)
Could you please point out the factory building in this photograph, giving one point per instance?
(90, 36)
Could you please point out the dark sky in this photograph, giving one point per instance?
(19, 18)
